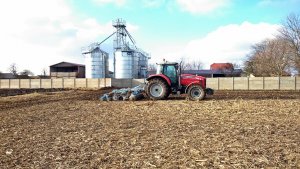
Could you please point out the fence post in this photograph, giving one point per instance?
(40, 83)
(63, 83)
(0, 83)
(74, 83)
(9, 83)
(51, 83)
(19, 83)
(86, 83)
(29, 83)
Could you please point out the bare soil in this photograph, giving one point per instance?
(73, 129)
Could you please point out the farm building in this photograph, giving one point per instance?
(7, 76)
(222, 66)
(215, 73)
(211, 73)
(67, 70)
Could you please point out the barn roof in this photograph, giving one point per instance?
(7, 76)
(215, 66)
(226, 72)
(66, 64)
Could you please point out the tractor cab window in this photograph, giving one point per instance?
(171, 72)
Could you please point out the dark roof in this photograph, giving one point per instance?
(66, 64)
(7, 76)
(209, 72)
(23, 77)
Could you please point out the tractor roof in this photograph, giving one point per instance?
(167, 63)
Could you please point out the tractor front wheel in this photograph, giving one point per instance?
(196, 92)
(157, 89)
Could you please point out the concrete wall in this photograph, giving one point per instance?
(256, 83)
(240, 83)
(46, 83)
(25, 83)
(236, 83)
(226, 83)
(271, 83)
(212, 83)
(287, 83)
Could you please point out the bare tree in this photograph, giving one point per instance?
(269, 58)
(44, 72)
(290, 31)
(197, 65)
(236, 66)
(26, 72)
(184, 65)
(13, 69)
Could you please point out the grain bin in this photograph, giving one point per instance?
(126, 64)
(142, 64)
(97, 62)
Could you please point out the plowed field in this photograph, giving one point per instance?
(73, 129)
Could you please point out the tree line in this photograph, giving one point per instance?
(279, 56)
(13, 69)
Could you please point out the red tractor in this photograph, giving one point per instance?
(169, 80)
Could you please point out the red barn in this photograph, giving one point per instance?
(222, 66)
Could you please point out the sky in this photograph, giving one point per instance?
(38, 33)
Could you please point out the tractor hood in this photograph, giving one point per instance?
(188, 79)
(191, 76)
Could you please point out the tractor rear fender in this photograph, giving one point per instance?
(187, 87)
(161, 76)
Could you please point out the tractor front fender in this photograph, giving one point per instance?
(187, 87)
(161, 76)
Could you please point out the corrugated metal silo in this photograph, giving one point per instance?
(126, 64)
(142, 64)
(97, 63)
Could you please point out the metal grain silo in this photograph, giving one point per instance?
(126, 64)
(142, 64)
(96, 62)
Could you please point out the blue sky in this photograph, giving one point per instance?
(39, 33)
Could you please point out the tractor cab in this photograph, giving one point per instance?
(171, 70)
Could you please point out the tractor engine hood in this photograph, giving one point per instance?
(188, 79)
(191, 76)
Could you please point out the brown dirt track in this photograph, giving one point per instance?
(72, 129)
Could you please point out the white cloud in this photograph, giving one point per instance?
(230, 43)
(153, 3)
(116, 2)
(201, 6)
(38, 33)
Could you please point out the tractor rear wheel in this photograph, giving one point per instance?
(196, 92)
(157, 89)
